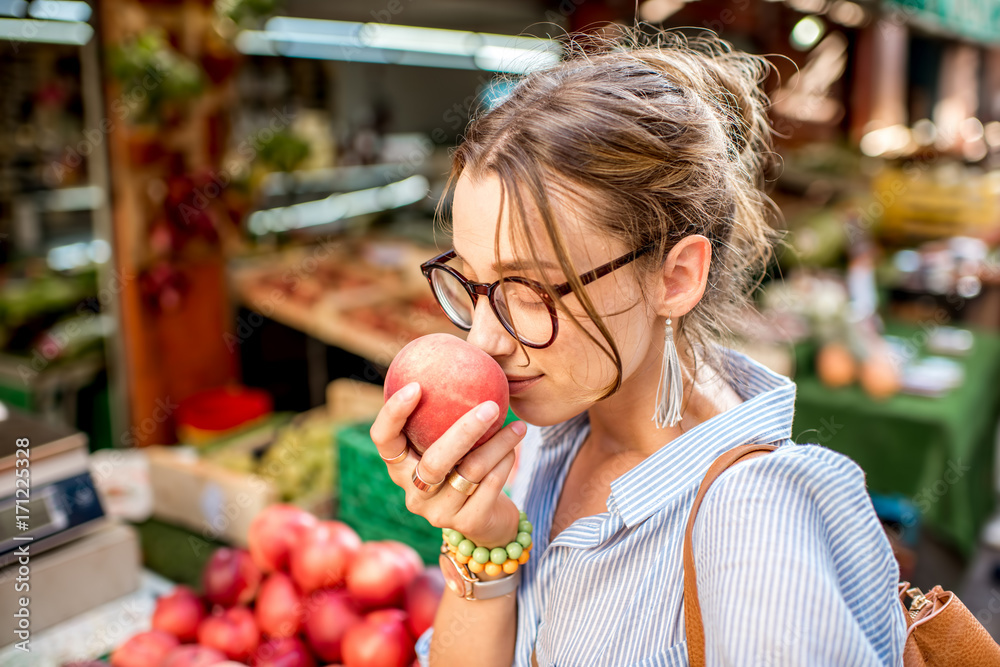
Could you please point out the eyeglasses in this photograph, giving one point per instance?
(523, 306)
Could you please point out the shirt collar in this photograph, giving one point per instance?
(765, 416)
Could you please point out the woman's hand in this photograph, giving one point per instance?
(487, 517)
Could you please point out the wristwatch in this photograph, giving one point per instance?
(465, 584)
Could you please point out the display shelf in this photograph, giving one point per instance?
(374, 316)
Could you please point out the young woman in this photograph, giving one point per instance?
(608, 222)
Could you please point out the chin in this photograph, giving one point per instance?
(539, 413)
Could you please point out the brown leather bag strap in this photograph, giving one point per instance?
(692, 608)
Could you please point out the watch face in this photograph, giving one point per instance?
(452, 575)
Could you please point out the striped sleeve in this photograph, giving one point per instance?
(793, 565)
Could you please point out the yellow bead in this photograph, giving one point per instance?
(493, 569)
(462, 559)
(475, 567)
(510, 567)
(525, 555)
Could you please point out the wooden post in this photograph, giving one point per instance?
(169, 353)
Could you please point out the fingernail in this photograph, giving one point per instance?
(409, 391)
(518, 427)
(487, 412)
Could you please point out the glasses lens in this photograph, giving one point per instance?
(454, 300)
(525, 310)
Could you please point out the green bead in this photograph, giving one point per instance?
(498, 556)
(455, 538)
(524, 539)
(481, 555)
(524, 516)
(514, 550)
(445, 532)
(466, 547)
(524, 526)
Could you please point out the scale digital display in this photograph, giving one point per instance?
(37, 517)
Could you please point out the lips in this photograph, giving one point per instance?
(517, 384)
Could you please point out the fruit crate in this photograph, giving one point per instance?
(371, 503)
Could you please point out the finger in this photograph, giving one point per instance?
(456, 442)
(480, 503)
(387, 431)
(426, 487)
(402, 472)
(477, 463)
(447, 499)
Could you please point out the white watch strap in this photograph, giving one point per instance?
(487, 590)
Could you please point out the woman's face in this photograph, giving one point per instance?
(552, 384)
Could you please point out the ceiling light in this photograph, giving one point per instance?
(60, 10)
(45, 32)
(339, 206)
(924, 132)
(892, 139)
(402, 45)
(807, 33)
(15, 8)
(78, 255)
(971, 129)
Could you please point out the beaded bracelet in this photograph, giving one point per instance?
(491, 561)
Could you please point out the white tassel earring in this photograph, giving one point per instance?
(670, 390)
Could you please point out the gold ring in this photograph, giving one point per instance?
(421, 484)
(398, 457)
(461, 484)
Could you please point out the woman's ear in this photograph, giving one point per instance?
(685, 275)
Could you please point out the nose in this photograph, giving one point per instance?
(487, 333)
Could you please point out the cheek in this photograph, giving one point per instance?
(584, 367)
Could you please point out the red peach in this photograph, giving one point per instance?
(233, 632)
(279, 608)
(145, 648)
(193, 655)
(454, 377)
(179, 614)
(230, 577)
(275, 532)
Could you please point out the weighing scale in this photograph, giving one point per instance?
(62, 503)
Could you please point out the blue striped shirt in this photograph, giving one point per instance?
(793, 565)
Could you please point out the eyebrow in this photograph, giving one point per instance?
(513, 265)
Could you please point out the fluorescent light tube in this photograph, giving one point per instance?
(46, 32)
(396, 44)
(60, 10)
(339, 206)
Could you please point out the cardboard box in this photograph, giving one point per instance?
(213, 501)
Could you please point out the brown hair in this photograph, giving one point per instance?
(662, 137)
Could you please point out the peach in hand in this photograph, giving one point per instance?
(454, 377)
